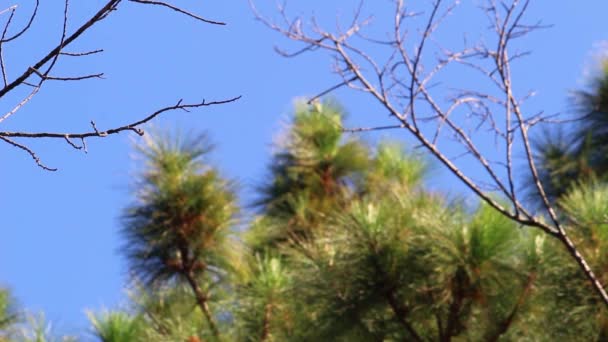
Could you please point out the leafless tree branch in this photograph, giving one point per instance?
(134, 126)
(28, 151)
(40, 71)
(177, 9)
(408, 85)
(79, 54)
(26, 27)
(128, 127)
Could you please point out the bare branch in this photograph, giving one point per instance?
(370, 129)
(6, 136)
(107, 8)
(67, 139)
(329, 90)
(30, 152)
(2, 65)
(404, 87)
(44, 67)
(177, 9)
(11, 8)
(128, 127)
(21, 104)
(26, 27)
(79, 54)
(45, 77)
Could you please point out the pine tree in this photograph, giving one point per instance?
(384, 260)
(8, 315)
(574, 169)
(582, 155)
(178, 231)
(116, 326)
(347, 245)
(310, 175)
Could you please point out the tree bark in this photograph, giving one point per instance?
(582, 263)
(266, 323)
(505, 324)
(201, 299)
(401, 314)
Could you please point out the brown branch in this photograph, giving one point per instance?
(418, 56)
(50, 60)
(401, 313)
(64, 30)
(502, 65)
(10, 8)
(45, 77)
(410, 85)
(79, 54)
(2, 65)
(74, 78)
(128, 127)
(286, 54)
(100, 15)
(329, 90)
(177, 9)
(67, 139)
(337, 47)
(505, 324)
(25, 28)
(5, 136)
(371, 129)
(202, 301)
(434, 151)
(266, 322)
(21, 104)
(29, 151)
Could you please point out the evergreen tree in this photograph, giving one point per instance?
(387, 261)
(582, 155)
(347, 245)
(310, 175)
(116, 326)
(586, 208)
(8, 315)
(574, 170)
(178, 231)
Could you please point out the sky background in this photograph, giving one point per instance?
(60, 247)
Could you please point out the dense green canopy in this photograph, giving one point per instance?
(345, 244)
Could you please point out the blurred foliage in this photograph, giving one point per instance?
(581, 155)
(345, 245)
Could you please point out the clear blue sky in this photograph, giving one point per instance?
(60, 248)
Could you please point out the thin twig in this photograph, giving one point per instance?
(177, 9)
(128, 127)
(29, 151)
(79, 54)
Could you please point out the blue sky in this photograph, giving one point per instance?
(60, 247)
